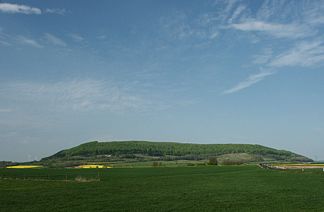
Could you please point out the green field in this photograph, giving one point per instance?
(210, 188)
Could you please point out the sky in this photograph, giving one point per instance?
(210, 71)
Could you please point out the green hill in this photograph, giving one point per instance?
(134, 151)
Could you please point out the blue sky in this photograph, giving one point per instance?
(187, 71)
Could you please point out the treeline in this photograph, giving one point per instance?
(4, 164)
(172, 150)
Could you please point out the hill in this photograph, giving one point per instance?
(135, 151)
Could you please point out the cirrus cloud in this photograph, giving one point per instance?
(11, 8)
(274, 29)
(28, 41)
(251, 80)
(19, 8)
(76, 95)
(54, 40)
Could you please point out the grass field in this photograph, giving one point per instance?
(211, 188)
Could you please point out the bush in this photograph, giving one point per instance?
(231, 162)
(157, 164)
(213, 161)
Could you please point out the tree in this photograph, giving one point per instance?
(213, 161)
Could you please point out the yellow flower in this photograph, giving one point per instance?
(24, 167)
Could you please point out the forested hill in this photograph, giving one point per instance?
(132, 149)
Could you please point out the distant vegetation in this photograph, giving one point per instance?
(7, 163)
(139, 151)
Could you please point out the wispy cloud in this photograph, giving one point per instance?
(274, 29)
(76, 37)
(237, 12)
(28, 41)
(101, 37)
(226, 12)
(5, 110)
(305, 53)
(177, 26)
(54, 40)
(4, 43)
(78, 95)
(58, 11)
(214, 35)
(251, 80)
(297, 23)
(29, 10)
(264, 57)
(181, 26)
(4, 38)
(19, 8)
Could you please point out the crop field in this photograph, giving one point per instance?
(210, 188)
(298, 166)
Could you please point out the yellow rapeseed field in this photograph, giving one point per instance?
(93, 166)
(24, 167)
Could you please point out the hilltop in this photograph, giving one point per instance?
(139, 151)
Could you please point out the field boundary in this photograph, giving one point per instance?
(65, 178)
(291, 166)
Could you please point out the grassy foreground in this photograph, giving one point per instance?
(227, 188)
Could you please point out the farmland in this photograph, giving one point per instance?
(298, 166)
(205, 188)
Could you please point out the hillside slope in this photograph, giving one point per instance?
(146, 151)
